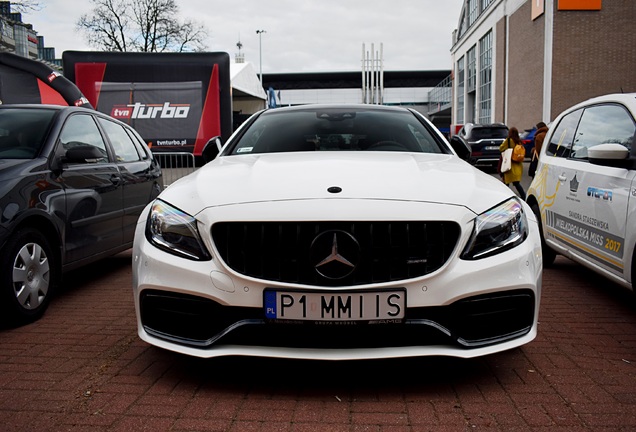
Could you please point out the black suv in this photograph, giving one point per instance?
(484, 141)
(73, 182)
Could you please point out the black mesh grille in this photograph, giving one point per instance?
(386, 251)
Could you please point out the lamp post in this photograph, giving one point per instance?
(260, 52)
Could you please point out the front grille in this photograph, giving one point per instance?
(283, 251)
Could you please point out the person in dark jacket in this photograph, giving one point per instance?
(539, 136)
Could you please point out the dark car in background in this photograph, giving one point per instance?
(484, 141)
(73, 182)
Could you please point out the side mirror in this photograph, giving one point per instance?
(462, 149)
(83, 153)
(612, 155)
(212, 149)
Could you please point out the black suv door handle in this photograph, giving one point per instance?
(115, 179)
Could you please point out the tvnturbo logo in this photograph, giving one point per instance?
(148, 111)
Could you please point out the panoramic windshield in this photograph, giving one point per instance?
(22, 131)
(330, 129)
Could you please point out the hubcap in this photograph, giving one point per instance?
(31, 276)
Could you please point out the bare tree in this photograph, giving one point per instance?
(140, 25)
(26, 6)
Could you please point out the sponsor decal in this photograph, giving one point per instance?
(585, 231)
(81, 101)
(173, 142)
(150, 111)
(599, 193)
(51, 77)
(574, 184)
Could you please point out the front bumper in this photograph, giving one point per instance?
(202, 323)
(463, 309)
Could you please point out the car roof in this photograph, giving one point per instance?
(46, 106)
(483, 125)
(470, 126)
(628, 99)
(314, 107)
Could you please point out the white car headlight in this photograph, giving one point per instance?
(174, 231)
(496, 230)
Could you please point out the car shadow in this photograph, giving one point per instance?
(94, 272)
(592, 284)
(79, 280)
(339, 380)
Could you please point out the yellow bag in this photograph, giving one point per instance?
(519, 153)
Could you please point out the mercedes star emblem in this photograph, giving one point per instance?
(335, 254)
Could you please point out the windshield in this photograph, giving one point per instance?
(22, 131)
(337, 129)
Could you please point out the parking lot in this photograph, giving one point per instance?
(82, 367)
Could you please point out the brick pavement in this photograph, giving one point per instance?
(82, 368)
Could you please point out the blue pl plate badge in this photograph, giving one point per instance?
(270, 304)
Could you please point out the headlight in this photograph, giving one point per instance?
(497, 230)
(174, 231)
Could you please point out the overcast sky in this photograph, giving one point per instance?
(300, 35)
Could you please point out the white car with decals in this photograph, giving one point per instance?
(583, 190)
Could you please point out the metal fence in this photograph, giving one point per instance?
(175, 165)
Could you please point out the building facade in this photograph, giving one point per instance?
(524, 61)
(20, 38)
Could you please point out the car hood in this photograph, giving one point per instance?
(7, 164)
(242, 179)
(13, 169)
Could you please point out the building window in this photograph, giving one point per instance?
(461, 75)
(485, 4)
(471, 66)
(473, 11)
(485, 78)
(6, 30)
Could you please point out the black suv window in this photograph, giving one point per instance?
(602, 124)
(560, 144)
(479, 133)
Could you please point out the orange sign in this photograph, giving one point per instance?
(579, 5)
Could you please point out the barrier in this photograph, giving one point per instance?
(175, 165)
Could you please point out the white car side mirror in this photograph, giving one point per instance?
(608, 152)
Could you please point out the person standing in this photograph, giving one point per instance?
(539, 136)
(516, 171)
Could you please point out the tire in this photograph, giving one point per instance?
(549, 255)
(28, 274)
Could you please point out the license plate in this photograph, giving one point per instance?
(491, 148)
(335, 306)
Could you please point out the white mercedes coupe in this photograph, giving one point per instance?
(337, 232)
